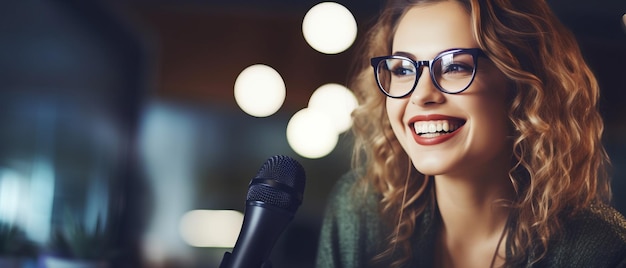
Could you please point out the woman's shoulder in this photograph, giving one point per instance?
(346, 182)
(353, 186)
(351, 191)
(351, 229)
(611, 217)
(596, 237)
(599, 221)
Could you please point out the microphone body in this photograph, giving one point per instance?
(256, 239)
(274, 196)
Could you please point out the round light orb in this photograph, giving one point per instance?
(311, 134)
(624, 21)
(260, 90)
(329, 28)
(337, 101)
(211, 228)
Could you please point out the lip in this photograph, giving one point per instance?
(432, 117)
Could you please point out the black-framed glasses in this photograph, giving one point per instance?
(452, 71)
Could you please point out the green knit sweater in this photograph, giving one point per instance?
(352, 233)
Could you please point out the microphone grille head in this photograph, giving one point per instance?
(280, 182)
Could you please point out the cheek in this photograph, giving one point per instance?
(493, 109)
(491, 98)
(492, 122)
(488, 105)
(395, 111)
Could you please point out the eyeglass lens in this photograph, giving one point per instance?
(451, 73)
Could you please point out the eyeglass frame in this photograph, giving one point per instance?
(475, 52)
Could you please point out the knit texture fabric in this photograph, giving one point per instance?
(353, 233)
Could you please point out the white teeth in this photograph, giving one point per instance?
(427, 128)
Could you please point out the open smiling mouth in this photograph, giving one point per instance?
(436, 128)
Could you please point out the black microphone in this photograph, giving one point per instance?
(274, 195)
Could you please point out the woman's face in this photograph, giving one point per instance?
(479, 113)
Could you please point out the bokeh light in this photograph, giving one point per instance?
(329, 28)
(311, 134)
(337, 101)
(211, 228)
(260, 90)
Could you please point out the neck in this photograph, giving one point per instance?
(473, 208)
(472, 201)
(474, 215)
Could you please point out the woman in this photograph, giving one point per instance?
(478, 144)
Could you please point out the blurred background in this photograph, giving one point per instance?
(122, 138)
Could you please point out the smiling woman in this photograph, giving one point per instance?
(469, 151)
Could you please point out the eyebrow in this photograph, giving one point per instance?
(412, 56)
(404, 54)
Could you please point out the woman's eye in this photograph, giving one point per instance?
(402, 71)
(457, 69)
(402, 68)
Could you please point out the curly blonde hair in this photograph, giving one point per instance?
(560, 163)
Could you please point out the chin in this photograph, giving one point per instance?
(430, 168)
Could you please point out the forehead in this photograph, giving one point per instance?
(426, 30)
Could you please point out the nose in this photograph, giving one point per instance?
(425, 92)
